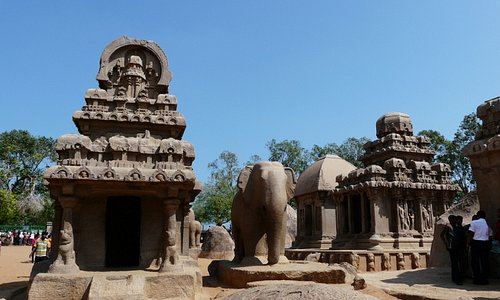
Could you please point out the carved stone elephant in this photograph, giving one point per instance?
(258, 213)
(194, 231)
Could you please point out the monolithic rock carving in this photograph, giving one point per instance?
(415, 260)
(194, 231)
(258, 212)
(65, 261)
(386, 262)
(400, 258)
(354, 259)
(370, 262)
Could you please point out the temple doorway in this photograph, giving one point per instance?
(123, 231)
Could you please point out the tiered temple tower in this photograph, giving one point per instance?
(124, 184)
(393, 201)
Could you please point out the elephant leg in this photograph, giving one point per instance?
(239, 250)
(198, 238)
(275, 243)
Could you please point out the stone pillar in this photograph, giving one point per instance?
(65, 262)
(329, 217)
(170, 259)
(185, 230)
(56, 227)
(349, 215)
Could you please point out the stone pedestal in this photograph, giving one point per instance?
(238, 275)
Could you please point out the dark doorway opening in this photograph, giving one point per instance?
(309, 220)
(123, 231)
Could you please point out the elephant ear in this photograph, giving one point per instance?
(243, 178)
(290, 184)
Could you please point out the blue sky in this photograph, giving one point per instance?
(249, 71)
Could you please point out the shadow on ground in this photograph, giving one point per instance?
(441, 278)
(13, 290)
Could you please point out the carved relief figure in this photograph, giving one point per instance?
(401, 261)
(411, 216)
(194, 231)
(370, 262)
(415, 260)
(133, 77)
(426, 218)
(386, 262)
(354, 260)
(404, 223)
(65, 261)
(259, 209)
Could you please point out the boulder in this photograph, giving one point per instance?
(466, 207)
(298, 291)
(291, 225)
(358, 283)
(217, 244)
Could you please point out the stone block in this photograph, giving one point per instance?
(239, 275)
(55, 287)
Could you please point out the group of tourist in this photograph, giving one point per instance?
(471, 242)
(19, 238)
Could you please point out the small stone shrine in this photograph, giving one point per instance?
(484, 155)
(385, 212)
(393, 201)
(123, 185)
(316, 226)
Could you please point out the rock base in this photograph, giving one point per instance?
(132, 284)
(238, 276)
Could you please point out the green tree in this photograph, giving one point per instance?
(439, 144)
(214, 203)
(8, 207)
(462, 170)
(450, 151)
(351, 150)
(290, 153)
(22, 161)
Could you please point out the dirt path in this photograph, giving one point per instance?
(15, 268)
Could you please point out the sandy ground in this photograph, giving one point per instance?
(15, 267)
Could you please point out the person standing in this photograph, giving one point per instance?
(41, 249)
(453, 237)
(480, 245)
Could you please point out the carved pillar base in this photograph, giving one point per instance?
(65, 262)
(170, 259)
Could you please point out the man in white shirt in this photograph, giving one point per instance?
(480, 245)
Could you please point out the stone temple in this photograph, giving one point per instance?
(385, 211)
(123, 186)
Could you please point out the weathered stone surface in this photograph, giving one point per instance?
(300, 291)
(358, 283)
(258, 217)
(391, 203)
(291, 226)
(236, 275)
(314, 197)
(217, 244)
(134, 284)
(117, 287)
(127, 176)
(58, 287)
(466, 207)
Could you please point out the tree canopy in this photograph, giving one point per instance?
(213, 205)
(23, 197)
(450, 151)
